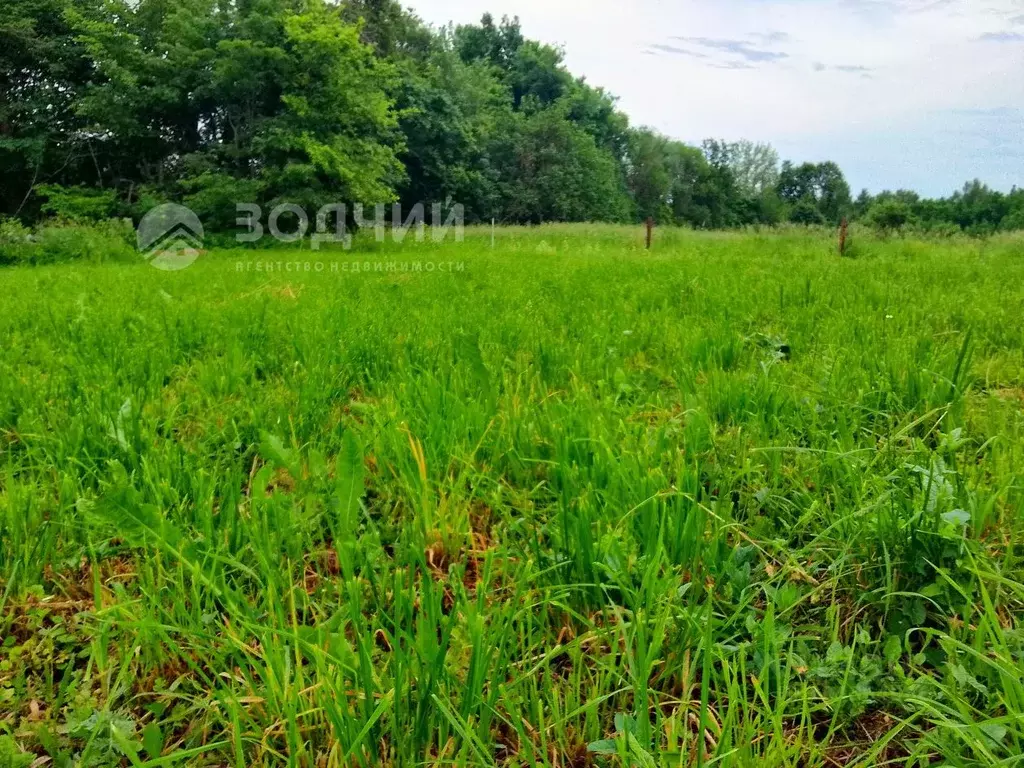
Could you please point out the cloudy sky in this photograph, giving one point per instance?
(920, 94)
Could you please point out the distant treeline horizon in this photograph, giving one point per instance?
(113, 106)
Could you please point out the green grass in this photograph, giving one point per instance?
(737, 500)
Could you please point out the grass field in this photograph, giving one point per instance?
(559, 503)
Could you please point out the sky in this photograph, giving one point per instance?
(903, 94)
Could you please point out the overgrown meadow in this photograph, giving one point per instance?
(567, 503)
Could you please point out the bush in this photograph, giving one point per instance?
(1013, 222)
(15, 241)
(939, 229)
(214, 197)
(145, 199)
(890, 215)
(806, 212)
(78, 204)
(111, 240)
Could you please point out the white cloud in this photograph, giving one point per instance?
(794, 72)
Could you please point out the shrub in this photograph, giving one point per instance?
(79, 204)
(890, 215)
(15, 241)
(806, 212)
(940, 229)
(1013, 222)
(143, 200)
(214, 196)
(110, 240)
(105, 241)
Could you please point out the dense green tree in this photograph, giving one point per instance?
(862, 204)
(1014, 218)
(281, 96)
(337, 131)
(392, 31)
(452, 113)
(558, 173)
(754, 166)
(497, 44)
(822, 184)
(726, 203)
(594, 110)
(651, 175)
(978, 209)
(537, 77)
(698, 197)
(43, 70)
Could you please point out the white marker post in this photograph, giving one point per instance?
(492, 232)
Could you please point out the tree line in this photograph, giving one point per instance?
(112, 106)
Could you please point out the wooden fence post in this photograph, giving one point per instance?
(650, 231)
(843, 230)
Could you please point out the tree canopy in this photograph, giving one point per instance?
(113, 105)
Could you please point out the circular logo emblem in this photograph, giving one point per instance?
(170, 237)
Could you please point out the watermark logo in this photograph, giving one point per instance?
(290, 223)
(170, 237)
